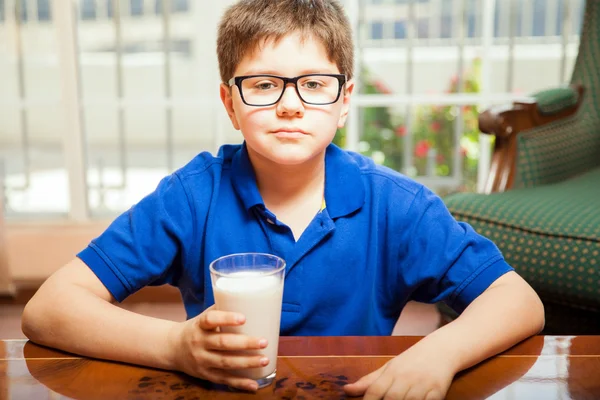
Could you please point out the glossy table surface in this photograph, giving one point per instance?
(542, 367)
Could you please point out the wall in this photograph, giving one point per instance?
(37, 249)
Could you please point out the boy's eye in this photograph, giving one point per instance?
(313, 85)
(265, 85)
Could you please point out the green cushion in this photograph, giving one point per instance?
(554, 100)
(550, 234)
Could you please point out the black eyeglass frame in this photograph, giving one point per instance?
(237, 81)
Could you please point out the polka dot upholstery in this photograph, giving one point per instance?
(550, 234)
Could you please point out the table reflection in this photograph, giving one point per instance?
(549, 367)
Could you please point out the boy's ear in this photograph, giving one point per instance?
(347, 92)
(226, 97)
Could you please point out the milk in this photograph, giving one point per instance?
(258, 297)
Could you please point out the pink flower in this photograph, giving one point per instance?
(435, 126)
(381, 87)
(421, 149)
(463, 151)
(401, 131)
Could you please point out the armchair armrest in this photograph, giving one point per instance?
(506, 122)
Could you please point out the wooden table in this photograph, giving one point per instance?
(542, 367)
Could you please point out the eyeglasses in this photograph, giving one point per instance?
(266, 90)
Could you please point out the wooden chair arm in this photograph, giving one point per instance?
(505, 123)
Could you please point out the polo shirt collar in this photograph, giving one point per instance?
(344, 188)
(244, 179)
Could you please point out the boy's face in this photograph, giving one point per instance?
(289, 132)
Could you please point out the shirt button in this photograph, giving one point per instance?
(270, 221)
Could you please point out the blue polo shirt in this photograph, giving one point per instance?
(382, 240)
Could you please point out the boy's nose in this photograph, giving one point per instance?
(290, 102)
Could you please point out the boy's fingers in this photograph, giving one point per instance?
(359, 387)
(231, 341)
(223, 360)
(224, 378)
(212, 319)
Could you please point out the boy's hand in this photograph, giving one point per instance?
(201, 350)
(407, 376)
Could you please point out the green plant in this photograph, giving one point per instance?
(383, 132)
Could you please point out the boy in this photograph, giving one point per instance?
(359, 240)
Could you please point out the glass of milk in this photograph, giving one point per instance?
(252, 284)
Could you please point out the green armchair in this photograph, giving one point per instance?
(541, 204)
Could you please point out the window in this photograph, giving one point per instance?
(136, 7)
(109, 9)
(43, 7)
(446, 27)
(519, 17)
(539, 18)
(446, 20)
(577, 11)
(88, 9)
(423, 28)
(180, 5)
(176, 6)
(471, 25)
(497, 20)
(400, 30)
(23, 14)
(472, 13)
(376, 30)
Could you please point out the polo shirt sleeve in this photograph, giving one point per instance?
(144, 245)
(447, 260)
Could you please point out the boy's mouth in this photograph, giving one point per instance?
(289, 133)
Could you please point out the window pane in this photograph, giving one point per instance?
(31, 136)
(43, 7)
(180, 5)
(473, 14)
(23, 12)
(435, 153)
(88, 9)
(539, 17)
(423, 28)
(376, 30)
(137, 7)
(400, 30)
(176, 6)
(446, 27)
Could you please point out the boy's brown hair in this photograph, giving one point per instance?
(247, 24)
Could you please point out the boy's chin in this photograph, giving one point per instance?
(290, 157)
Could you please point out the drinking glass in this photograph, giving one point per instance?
(252, 284)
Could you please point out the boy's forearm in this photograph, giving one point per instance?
(499, 318)
(75, 320)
